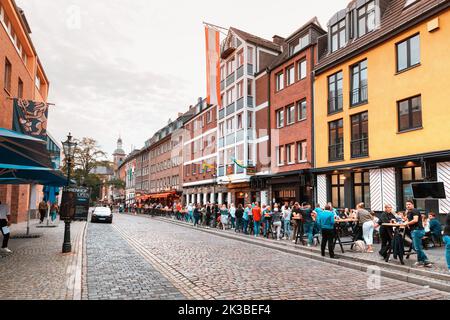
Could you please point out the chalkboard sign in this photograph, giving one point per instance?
(75, 203)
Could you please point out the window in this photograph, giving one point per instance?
(230, 96)
(222, 73)
(408, 53)
(361, 188)
(336, 140)
(250, 55)
(302, 150)
(7, 77)
(240, 59)
(338, 36)
(187, 170)
(280, 118)
(410, 2)
(280, 156)
(338, 190)
(208, 116)
(290, 75)
(249, 87)
(301, 110)
(290, 153)
(240, 91)
(239, 121)
(250, 119)
(230, 67)
(409, 176)
(302, 43)
(290, 114)
(359, 91)
(410, 114)
(366, 18)
(230, 126)
(20, 89)
(301, 66)
(194, 169)
(360, 135)
(335, 88)
(280, 81)
(221, 129)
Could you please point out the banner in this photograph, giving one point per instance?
(212, 66)
(30, 118)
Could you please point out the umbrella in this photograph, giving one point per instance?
(17, 149)
(13, 174)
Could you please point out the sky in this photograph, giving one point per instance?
(126, 67)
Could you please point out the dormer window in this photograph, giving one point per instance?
(410, 2)
(338, 35)
(298, 45)
(366, 18)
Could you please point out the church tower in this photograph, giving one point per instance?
(119, 154)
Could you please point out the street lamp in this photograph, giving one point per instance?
(69, 152)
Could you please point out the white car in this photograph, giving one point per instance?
(102, 214)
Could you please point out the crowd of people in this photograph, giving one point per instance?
(314, 225)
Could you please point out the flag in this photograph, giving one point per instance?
(30, 118)
(212, 65)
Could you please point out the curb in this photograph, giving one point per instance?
(405, 274)
(75, 269)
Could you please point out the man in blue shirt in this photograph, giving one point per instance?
(326, 222)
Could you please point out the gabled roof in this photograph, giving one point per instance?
(256, 40)
(314, 21)
(396, 19)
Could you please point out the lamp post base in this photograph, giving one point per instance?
(67, 246)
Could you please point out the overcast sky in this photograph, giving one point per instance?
(126, 67)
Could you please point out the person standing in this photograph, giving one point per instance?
(365, 220)
(4, 224)
(190, 213)
(54, 212)
(417, 233)
(296, 223)
(224, 217)
(256, 211)
(233, 216)
(43, 207)
(447, 241)
(196, 215)
(208, 215)
(239, 216)
(245, 218)
(326, 222)
(276, 221)
(286, 216)
(386, 233)
(308, 223)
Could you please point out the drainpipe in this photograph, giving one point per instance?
(313, 152)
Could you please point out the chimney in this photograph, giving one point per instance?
(278, 40)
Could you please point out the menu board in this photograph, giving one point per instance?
(75, 203)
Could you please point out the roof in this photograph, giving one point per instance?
(256, 40)
(314, 21)
(395, 20)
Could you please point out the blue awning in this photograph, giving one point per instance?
(28, 174)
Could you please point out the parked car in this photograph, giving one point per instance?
(102, 214)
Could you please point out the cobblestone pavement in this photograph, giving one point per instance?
(37, 270)
(204, 266)
(115, 271)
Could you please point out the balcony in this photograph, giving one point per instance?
(250, 71)
(360, 148)
(239, 170)
(359, 96)
(222, 85)
(221, 172)
(230, 79)
(230, 139)
(221, 113)
(240, 72)
(240, 135)
(335, 104)
(240, 104)
(250, 134)
(336, 152)
(228, 46)
(231, 109)
(250, 103)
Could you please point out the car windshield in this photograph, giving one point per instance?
(102, 210)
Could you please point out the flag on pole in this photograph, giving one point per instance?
(212, 65)
(30, 118)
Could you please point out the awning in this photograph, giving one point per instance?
(22, 150)
(14, 174)
(162, 195)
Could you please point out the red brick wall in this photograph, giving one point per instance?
(300, 130)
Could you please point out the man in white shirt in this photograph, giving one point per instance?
(4, 224)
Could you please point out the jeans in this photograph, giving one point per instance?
(266, 227)
(287, 228)
(447, 250)
(417, 236)
(257, 228)
(3, 223)
(196, 220)
(328, 236)
(43, 214)
(309, 226)
(233, 224)
(239, 224)
(386, 241)
(368, 229)
(277, 225)
(245, 226)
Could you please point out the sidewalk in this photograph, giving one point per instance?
(37, 270)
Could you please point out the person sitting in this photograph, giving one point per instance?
(435, 228)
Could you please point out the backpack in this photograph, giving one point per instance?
(360, 246)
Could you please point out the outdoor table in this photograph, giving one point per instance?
(300, 230)
(338, 237)
(399, 229)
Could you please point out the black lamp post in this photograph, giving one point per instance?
(69, 152)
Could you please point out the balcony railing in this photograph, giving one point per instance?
(359, 96)
(230, 139)
(231, 109)
(221, 142)
(360, 148)
(240, 104)
(228, 46)
(230, 79)
(336, 152)
(250, 134)
(240, 72)
(221, 113)
(240, 135)
(239, 170)
(250, 103)
(250, 71)
(221, 172)
(335, 104)
(222, 85)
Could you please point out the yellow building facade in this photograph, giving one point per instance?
(382, 107)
